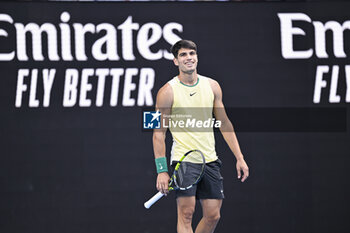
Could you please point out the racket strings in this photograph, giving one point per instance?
(190, 170)
(181, 173)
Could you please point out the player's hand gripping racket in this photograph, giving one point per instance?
(188, 172)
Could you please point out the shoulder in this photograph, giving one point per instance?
(211, 81)
(165, 90)
(215, 86)
(172, 82)
(165, 96)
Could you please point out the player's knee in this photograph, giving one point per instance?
(212, 219)
(186, 214)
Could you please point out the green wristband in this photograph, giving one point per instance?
(161, 164)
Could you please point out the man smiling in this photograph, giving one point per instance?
(191, 90)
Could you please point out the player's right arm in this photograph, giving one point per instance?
(227, 131)
(163, 104)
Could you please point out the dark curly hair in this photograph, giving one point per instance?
(187, 44)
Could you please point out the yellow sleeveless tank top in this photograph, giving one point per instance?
(198, 98)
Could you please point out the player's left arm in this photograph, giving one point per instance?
(227, 131)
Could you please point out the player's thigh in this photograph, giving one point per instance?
(211, 207)
(186, 205)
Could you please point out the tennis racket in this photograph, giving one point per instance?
(188, 172)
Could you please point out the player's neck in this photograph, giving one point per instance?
(188, 79)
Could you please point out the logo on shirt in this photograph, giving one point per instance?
(151, 120)
(191, 94)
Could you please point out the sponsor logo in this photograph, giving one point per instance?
(72, 38)
(329, 79)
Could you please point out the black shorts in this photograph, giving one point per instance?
(209, 187)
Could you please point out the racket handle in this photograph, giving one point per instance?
(153, 200)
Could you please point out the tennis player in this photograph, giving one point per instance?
(191, 90)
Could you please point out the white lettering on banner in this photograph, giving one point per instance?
(33, 102)
(86, 89)
(347, 75)
(101, 73)
(65, 38)
(144, 43)
(48, 76)
(80, 31)
(115, 73)
(290, 32)
(127, 27)
(146, 85)
(338, 38)
(6, 56)
(70, 40)
(74, 41)
(333, 96)
(36, 33)
(321, 83)
(70, 88)
(129, 86)
(110, 39)
(21, 86)
(171, 37)
(147, 35)
(287, 32)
